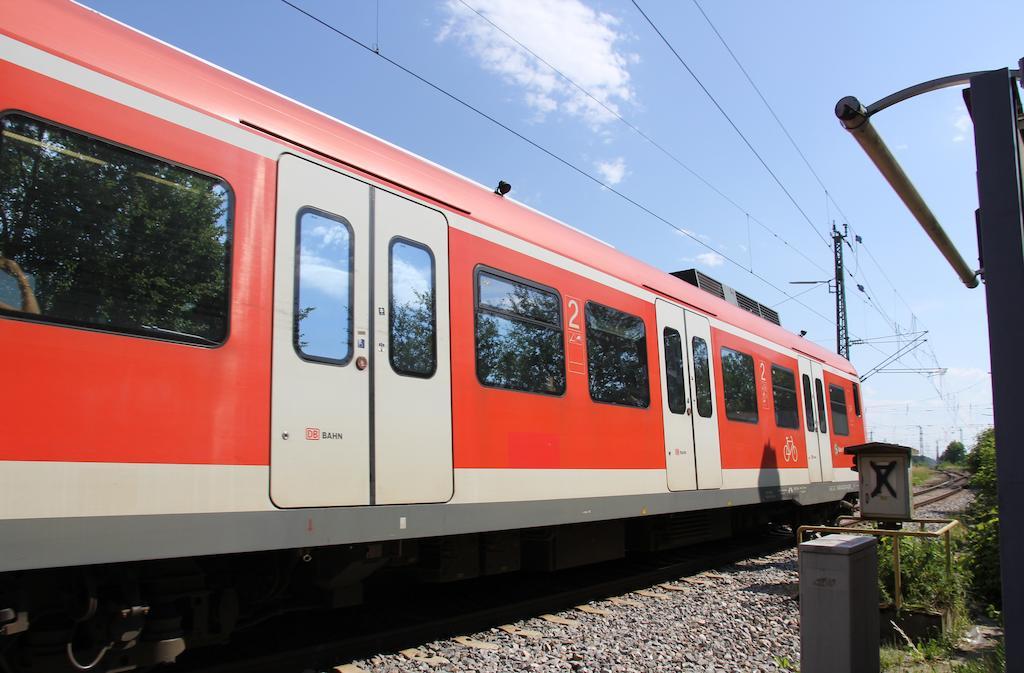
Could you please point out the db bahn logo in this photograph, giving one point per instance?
(316, 434)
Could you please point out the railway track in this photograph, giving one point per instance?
(398, 618)
(954, 483)
(394, 619)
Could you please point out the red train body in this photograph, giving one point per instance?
(129, 442)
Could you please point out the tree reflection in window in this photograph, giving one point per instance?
(702, 377)
(96, 235)
(739, 386)
(617, 357)
(412, 320)
(519, 342)
(323, 291)
(675, 375)
(784, 394)
(837, 400)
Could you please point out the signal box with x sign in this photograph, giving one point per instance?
(885, 491)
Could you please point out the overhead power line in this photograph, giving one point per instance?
(731, 123)
(654, 143)
(830, 198)
(549, 153)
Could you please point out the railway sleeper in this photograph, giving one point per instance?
(134, 615)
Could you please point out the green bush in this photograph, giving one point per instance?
(923, 575)
(982, 550)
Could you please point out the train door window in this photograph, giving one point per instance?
(675, 376)
(819, 394)
(808, 404)
(837, 400)
(856, 399)
(701, 377)
(412, 322)
(617, 357)
(98, 236)
(519, 344)
(784, 394)
(323, 288)
(739, 386)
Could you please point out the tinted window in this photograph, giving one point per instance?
(837, 399)
(856, 399)
(739, 387)
(784, 393)
(412, 322)
(95, 235)
(819, 393)
(518, 336)
(617, 357)
(675, 377)
(702, 377)
(323, 289)
(808, 403)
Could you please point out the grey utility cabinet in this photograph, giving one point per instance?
(839, 605)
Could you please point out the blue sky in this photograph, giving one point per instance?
(803, 56)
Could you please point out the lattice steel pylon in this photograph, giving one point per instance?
(842, 330)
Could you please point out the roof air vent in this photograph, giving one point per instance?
(709, 284)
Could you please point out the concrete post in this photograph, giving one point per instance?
(839, 630)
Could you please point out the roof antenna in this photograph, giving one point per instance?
(503, 188)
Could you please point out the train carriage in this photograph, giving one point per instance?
(238, 331)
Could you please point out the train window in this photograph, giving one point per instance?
(98, 236)
(784, 393)
(738, 386)
(323, 288)
(819, 394)
(701, 377)
(837, 399)
(675, 375)
(519, 342)
(412, 322)
(856, 399)
(808, 404)
(617, 357)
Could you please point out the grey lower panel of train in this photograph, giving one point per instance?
(72, 541)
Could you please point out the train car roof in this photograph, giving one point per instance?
(87, 37)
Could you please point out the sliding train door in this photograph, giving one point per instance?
(693, 458)
(411, 362)
(361, 385)
(320, 399)
(814, 439)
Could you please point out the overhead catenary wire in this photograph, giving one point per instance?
(732, 123)
(829, 198)
(550, 153)
(646, 137)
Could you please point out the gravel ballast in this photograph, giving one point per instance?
(741, 617)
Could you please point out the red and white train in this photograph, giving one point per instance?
(240, 337)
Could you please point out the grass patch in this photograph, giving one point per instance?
(919, 474)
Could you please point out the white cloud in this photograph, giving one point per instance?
(580, 42)
(709, 259)
(962, 124)
(613, 171)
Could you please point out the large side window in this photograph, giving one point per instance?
(323, 287)
(819, 394)
(784, 393)
(519, 342)
(412, 322)
(837, 399)
(738, 386)
(617, 357)
(808, 403)
(675, 375)
(95, 235)
(701, 377)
